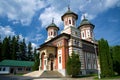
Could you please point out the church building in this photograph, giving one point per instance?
(55, 50)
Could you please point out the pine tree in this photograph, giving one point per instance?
(105, 57)
(14, 47)
(30, 56)
(73, 65)
(22, 50)
(6, 53)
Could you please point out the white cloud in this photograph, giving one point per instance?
(48, 14)
(91, 8)
(34, 37)
(21, 10)
(34, 45)
(6, 31)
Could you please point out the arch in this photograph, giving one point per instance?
(51, 56)
(42, 60)
(51, 60)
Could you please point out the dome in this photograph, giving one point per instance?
(85, 22)
(52, 25)
(68, 13)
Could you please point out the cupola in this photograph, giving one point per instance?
(69, 18)
(86, 30)
(52, 30)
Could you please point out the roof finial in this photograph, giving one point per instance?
(52, 20)
(68, 7)
(83, 16)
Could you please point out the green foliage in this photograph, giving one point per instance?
(105, 57)
(37, 61)
(15, 49)
(30, 56)
(116, 58)
(0, 49)
(73, 65)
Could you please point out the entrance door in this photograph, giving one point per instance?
(51, 60)
(51, 65)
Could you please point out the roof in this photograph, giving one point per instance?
(68, 13)
(46, 43)
(85, 22)
(52, 25)
(16, 63)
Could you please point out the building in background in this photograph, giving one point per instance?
(14, 66)
(79, 39)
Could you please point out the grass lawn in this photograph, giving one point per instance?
(19, 74)
(108, 78)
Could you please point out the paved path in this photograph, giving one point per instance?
(14, 77)
(87, 78)
(34, 74)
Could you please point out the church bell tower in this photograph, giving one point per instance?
(86, 30)
(52, 31)
(69, 19)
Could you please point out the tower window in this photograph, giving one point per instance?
(69, 21)
(54, 33)
(73, 22)
(83, 34)
(51, 33)
(59, 59)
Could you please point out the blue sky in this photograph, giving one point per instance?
(29, 18)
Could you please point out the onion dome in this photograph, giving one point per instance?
(69, 12)
(86, 22)
(52, 25)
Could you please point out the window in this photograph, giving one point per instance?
(83, 34)
(88, 33)
(19, 69)
(51, 33)
(94, 61)
(76, 33)
(59, 59)
(55, 33)
(73, 22)
(28, 69)
(69, 21)
(88, 61)
(3, 69)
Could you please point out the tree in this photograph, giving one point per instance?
(14, 47)
(116, 59)
(73, 65)
(30, 56)
(0, 49)
(22, 50)
(36, 60)
(6, 53)
(105, 57)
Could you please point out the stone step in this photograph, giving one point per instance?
(51, 74)
(34, 74)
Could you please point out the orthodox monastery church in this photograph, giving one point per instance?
(79, 39)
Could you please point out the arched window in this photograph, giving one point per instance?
(69, 21)
(51, 33)
(73, 22)
(54, 33)
(83, 34)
